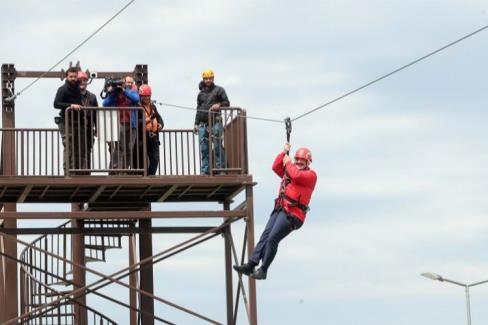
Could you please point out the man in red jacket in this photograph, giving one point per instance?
(297, 184)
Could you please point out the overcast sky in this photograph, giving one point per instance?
(401, 165)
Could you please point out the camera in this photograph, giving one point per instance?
(93, 75)
(115, 85)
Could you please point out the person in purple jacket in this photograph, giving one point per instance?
(123, 96)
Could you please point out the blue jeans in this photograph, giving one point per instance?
(219, 153)
(280, 225)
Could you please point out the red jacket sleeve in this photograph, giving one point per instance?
(278, 167)
(302, 177)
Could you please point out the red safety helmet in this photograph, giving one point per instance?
(145, 90)
(304, 153)
(82, 75)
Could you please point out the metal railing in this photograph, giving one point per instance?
(104, 140)
(41, 274)
(227, 131)
(97, 142)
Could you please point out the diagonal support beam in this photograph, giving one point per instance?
(185, 191)
(97, 193)
(74, 192)
(148, 188)
(214, 191)
(2, 193)
(44, 192)
(115, 192)
(170, 191)
(111, 278)
(25, 193)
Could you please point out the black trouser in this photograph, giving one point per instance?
(152, 153)
(121, 155)
(152, 147)
(279, 225)
(76, 142)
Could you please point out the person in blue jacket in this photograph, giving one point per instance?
(123, 96)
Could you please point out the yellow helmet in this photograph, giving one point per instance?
(207, 74)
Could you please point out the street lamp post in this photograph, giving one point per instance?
(437, 277)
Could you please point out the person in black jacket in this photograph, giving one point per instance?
(210, 99)
(69, 96)
(89, 118)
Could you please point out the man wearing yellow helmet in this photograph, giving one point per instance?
(210, 98)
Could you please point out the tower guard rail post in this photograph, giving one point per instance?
(8, 163)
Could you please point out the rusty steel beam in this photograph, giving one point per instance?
(228, 269)
(75, 284)
(10, 267)
(103, 231)
(132, 280)
(79, 275)
(240, 287)
(24, 194)
(167, 193)
(111, 278)
(115, 192)
(80, 180)
(62, 74)
(122, 214)
(2, 193)
(97, 193)
(146, 273)
(148, 188)
(74, 192)
(161, 256)
(2, 284)
(184, 192)
(214, 191)
(44, 192)
(250, 247)
(8, 164)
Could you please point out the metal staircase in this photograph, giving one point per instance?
(45, 278)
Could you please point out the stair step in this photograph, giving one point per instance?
(52, 294)
(50, 316)
(89, 259)
(60, 282)
(105, 246)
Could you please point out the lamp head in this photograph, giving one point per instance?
(432, 276)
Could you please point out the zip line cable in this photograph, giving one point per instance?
(391, 73)
(72, 51)
(256, 117)
(352, 91)
(202, 110)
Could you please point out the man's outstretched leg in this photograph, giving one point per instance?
(257, 255)
(281, 229)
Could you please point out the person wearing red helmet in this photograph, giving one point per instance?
(153, 124)
(291, 207)
(89, 119)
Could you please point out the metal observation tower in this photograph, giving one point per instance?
(44, 281)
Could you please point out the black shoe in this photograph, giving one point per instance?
(246, 268)
(259, 274)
